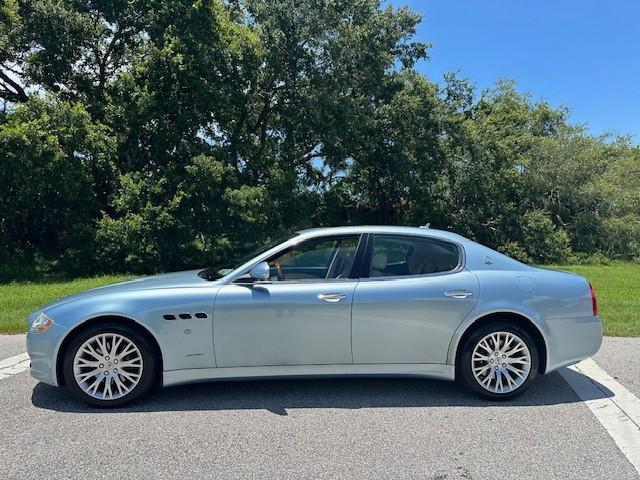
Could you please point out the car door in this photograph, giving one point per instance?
(414, 298)
(301, 316)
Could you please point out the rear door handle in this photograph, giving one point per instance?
(332, 297)
(458, 294)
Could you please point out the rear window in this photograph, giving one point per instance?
(403, 255)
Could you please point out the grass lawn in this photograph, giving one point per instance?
(19, 299)
(617, 286)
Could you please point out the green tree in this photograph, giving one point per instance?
(398, 153)
(165, 134)
(57, 165)
(263, 98)
(11, 48)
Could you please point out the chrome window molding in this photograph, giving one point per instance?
(410, 277)
(309, 281)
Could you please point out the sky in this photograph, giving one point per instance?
(583, 54)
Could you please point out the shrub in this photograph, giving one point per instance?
(514, 250)
(543, 242)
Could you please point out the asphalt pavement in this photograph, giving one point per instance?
(11, 345)
(621, 358)
(338, 428)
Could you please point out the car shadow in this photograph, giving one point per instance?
(277, 396)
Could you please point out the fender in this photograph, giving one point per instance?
(83, 321)
(146, 309)
(495, 308)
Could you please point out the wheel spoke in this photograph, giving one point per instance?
(136, 362)
(507, 343)
(101, 345)
(95, 384)
(121, 386)
(519, 373)
(89, 350)
(127, 350)
(488, 378)
(517, 349)
(83, 362)
(107, 388)
(86, 375)
(114, 346)
(133, 377)
(510, 381)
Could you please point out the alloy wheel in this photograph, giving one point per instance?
(501, 362)
(108, 366)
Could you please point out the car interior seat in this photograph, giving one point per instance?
(378, 264)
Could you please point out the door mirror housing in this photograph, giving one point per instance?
(260, 272)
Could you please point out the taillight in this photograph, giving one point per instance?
(594, 300)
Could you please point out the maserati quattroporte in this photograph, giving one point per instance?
(332, 301)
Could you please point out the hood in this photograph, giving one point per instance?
(186, 279)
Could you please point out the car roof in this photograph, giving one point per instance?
(389, 229)
(477, 256)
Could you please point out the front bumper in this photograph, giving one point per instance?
(43, 350)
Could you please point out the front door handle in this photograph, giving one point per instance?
(332, 297)
(458, 294)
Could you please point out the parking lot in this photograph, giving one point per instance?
(329, 428)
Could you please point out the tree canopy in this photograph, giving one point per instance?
(145, 135)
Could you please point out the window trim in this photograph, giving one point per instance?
(353, 275)
(366, 264)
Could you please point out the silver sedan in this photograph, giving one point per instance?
(332, 301)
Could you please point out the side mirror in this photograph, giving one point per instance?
(260, 272)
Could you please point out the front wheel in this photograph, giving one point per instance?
(109, 365)
(498, 361)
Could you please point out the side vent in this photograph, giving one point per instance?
(184, 316)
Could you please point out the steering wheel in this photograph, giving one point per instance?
(279, 273)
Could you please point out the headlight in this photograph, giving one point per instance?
(42, 323)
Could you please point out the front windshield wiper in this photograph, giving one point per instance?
(214, 273)
(210, 274)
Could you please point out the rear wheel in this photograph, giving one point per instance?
(498, 361)
(109, 365)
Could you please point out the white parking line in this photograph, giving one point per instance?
(615, 407)
(14, 365)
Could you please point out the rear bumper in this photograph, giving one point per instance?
(570, 340)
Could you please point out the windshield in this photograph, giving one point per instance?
(216, 272)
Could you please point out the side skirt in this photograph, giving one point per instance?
(193, 375)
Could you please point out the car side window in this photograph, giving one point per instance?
(316, 259)
(402, 255)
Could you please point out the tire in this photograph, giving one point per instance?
(492, 380)
(130, 370)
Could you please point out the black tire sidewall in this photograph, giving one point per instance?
(465, 372)
(148, 361)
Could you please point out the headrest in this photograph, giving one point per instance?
(379, 261)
